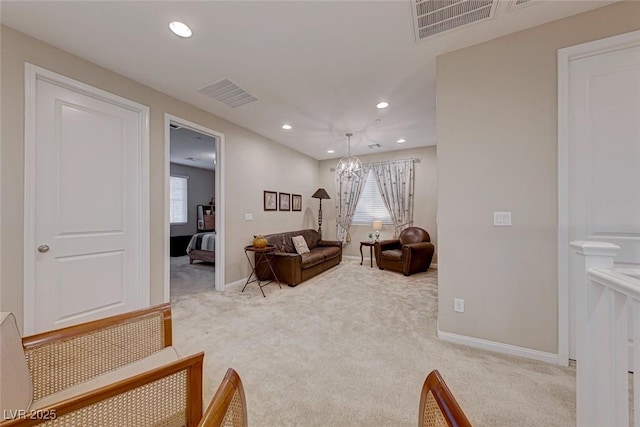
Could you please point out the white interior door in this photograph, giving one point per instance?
(604, 158)
(87, 249)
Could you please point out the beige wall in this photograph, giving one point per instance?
(497, 141)
(253, 164)
(425, 197)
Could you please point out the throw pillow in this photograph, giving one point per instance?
(300, 244)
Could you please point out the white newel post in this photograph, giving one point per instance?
(601, 331)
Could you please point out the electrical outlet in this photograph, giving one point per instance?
(458, 305)
(248, 217)
(502, 219)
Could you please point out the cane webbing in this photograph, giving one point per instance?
(432, 414)
(161, 403)
(235, 413)
(60, 364)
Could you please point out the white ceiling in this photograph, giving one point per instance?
(319, 65)
(191, 148)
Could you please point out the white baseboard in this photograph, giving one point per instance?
(499, 347)
(237, 282)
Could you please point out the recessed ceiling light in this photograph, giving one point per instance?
(180, 29)
(382, 104)
(286, 127)
(401, 140)
(330, 151)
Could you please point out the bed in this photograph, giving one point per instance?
(202, 247)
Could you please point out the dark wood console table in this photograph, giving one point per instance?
(370, 245)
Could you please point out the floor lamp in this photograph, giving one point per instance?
(320, 193)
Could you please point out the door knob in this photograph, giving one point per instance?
(43, 248)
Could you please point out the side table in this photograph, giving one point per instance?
(370, 245)
(263, 255)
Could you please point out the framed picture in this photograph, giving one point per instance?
(270, 201)
(285, 201)
(296, 202)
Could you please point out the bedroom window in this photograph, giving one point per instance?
(370, 206)
(178, 199)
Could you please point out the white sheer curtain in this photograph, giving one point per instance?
(396, 182)
(348, 191)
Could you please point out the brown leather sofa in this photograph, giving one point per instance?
(410, 253)
(292, 268)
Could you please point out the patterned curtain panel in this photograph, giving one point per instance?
(348, 191)
(396, 182)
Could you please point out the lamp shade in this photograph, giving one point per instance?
(321, 193)
(377, 225)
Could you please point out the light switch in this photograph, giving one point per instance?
(502, 219)
(248, 217)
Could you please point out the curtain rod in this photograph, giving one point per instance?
(414, 160)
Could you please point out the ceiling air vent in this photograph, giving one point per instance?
(372, 146)
(227, 92)
(517, 4)
(433, 17)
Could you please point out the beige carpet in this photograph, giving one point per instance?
(352, 347)
(188, 279)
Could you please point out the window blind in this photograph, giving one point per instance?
(178, 199)
(370, 206)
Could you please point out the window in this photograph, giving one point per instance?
(178, 199)
(370, 205)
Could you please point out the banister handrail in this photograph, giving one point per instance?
(618, 280)
(607, 322)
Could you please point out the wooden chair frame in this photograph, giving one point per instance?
(217, 410)
(192, 366)
(451, 411)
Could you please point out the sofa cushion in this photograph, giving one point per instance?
(156, 360)
(300, 245)
(328, 251)
(283, 243)
(312, 258)
(393, 254)
(16, 388)
(312, 238)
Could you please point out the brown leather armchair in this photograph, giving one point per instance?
(410, 253)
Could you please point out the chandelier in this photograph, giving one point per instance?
(349, 166)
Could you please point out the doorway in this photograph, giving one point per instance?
(194, 208)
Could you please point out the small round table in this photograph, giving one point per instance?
(263, 255)
(370, 245)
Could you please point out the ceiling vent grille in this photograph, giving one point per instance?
(517, 4)
(227, 92)
(433, 17)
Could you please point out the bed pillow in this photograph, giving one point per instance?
(300, 245)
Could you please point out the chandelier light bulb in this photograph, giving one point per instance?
(349, 166)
